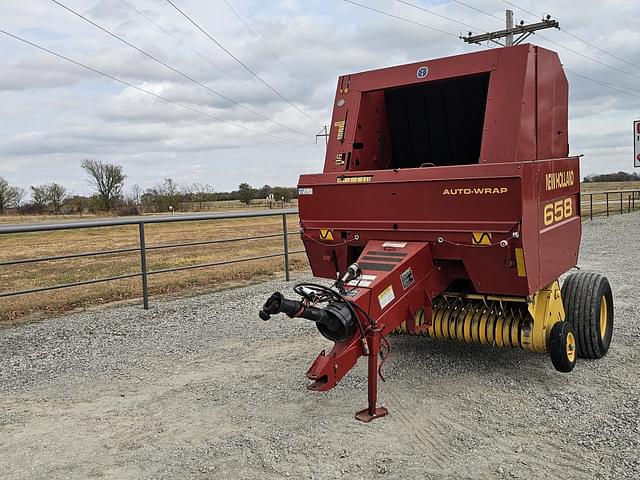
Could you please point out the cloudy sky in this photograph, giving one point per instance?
(55, 113)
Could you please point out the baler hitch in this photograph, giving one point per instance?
(336, 321)
(354, 335)
(360, 309)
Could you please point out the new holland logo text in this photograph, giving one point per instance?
(475, 191)
(557, 180)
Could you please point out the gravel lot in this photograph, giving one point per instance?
(201, 388)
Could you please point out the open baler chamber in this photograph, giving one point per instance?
(450, 201)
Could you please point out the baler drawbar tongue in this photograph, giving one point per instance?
(376, 295)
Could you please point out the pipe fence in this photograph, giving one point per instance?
(609, 202)
(143, 248)
(599, 204)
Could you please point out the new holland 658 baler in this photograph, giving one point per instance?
(448, 207)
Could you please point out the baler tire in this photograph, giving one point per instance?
(562, 347)
(588, 304)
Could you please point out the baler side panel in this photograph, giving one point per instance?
(527, 145)
(343, 127)
(530, 230)
(503, 137)
(552, 111)
(371, 149)
(558, 217)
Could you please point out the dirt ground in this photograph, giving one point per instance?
(201, 388)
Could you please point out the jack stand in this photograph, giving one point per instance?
(372, 412)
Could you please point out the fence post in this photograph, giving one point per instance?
(621, 207)
(628, 204)
(591, 206)
(285, 237)
(143, 268)
(607, 204)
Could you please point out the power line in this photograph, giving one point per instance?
(264, 82)
(592, 45)
(611, 86)
(435, 13)
(523, 31)
(382, 12)
(184, 44)
(266, 47)
(478, 10)
(598, 48)
(175, 70)
(140, 89)
(559, 45)
(522, 9)
(620, 88)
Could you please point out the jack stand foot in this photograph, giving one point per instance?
(366, 417)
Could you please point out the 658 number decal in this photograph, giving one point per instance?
(557, 211)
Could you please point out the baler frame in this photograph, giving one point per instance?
(444, 231)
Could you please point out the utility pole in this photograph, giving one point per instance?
(523, 31)
(325, 135)
(508, 42)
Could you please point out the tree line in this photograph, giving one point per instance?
(110, 195)
(613, 177)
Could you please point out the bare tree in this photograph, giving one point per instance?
(40, 196)
(107, 178)
(170, 187)
(7, 195)
(197, 195)
(200, 194)
(187, 195)
(57, 195)
(170, 191)
(19, 194)
(135, 194)
(51, 195)
(77, 203)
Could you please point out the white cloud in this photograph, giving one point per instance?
(56, 114)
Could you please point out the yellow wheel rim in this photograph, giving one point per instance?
(603, 317)
(571, 347)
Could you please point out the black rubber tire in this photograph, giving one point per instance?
(558, 347)
(582, 295)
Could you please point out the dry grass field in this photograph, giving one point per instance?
(26, 276)
(600, 201)
(608, 186)
(226, 206)
(32, 306)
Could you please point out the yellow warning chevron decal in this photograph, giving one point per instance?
(481, 238)
(326, 234)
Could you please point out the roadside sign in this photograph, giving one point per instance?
(636, 144)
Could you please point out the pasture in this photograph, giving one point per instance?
(64, 242)
(33, 306)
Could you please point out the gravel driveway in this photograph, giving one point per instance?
(201, 388)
